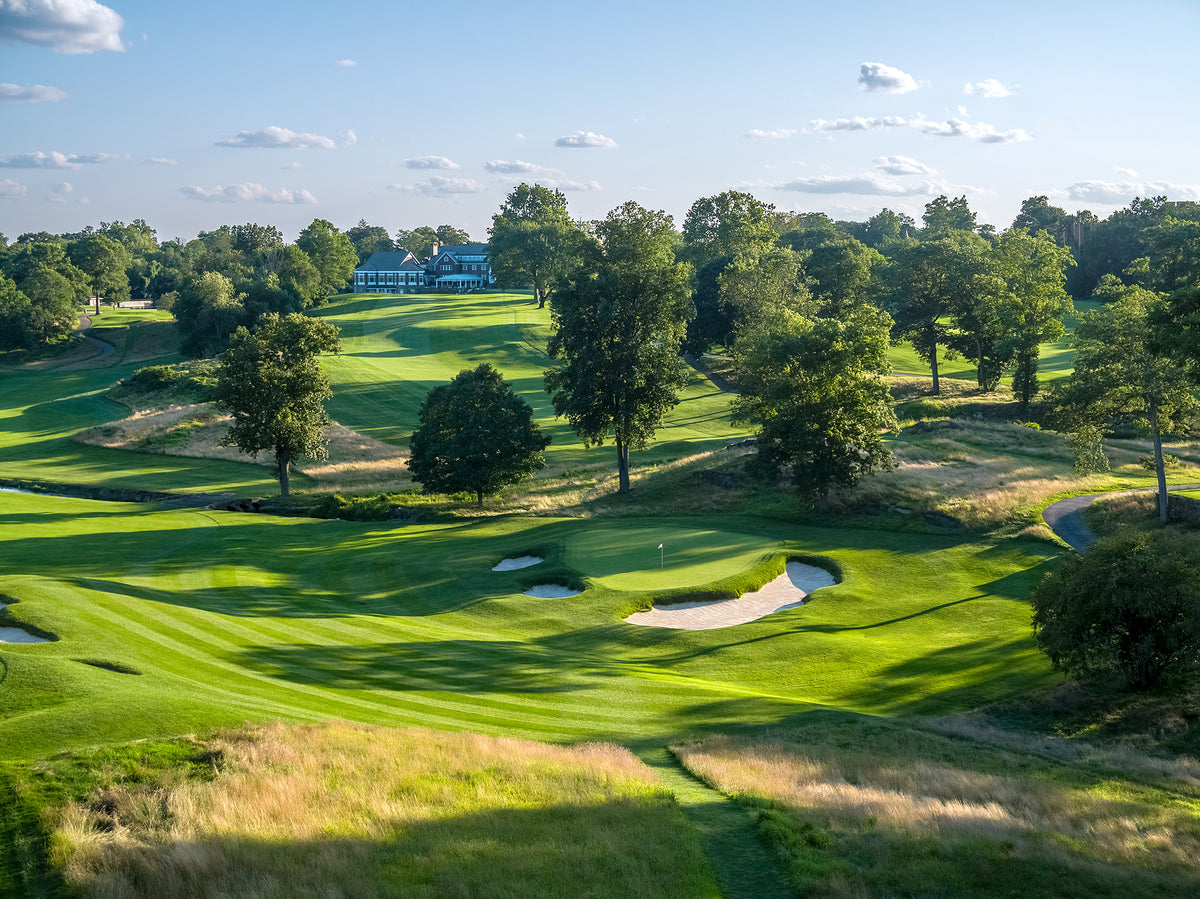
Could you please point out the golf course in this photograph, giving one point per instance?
(168, 627)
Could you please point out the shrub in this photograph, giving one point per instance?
(1129, 606)
(1170, 460)
(153, 377)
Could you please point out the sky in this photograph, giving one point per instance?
(193, 115)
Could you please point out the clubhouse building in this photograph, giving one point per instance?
(448, 269)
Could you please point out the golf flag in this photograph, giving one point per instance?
(660, 546)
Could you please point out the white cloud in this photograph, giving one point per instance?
(858, 123)
(430, 162)
(440, 186)
(990, 89)
(345, 63)
(589, 140)
(53, 160)
(569, 184)
(347, 138)
(34, 93)
(902, 165)
(61, 193)
(875, 76)
(248, 192)
(292, 166)
(516, 167)
(64, 26)
(10, 190)
(979, 131)
(1128, 173)
(868, 183)
(162, 160)
(275, 138)
(1119, 193)
(774, 134)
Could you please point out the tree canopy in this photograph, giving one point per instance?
(270, 380)
(331, 252)
(475, 435)
(618, 322)
(532, 239)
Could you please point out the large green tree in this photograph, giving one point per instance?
(475, 435)
(618, 323)
(367, 239)
(815, 389)
(726, 224)
(1122, 371)
(1129, 606)
(331, 252)
(842, 270)
(760, 282)
(532, 239)
(270, 380)
(104, 261)
(449, 236)
(418, 241)
(208, 310)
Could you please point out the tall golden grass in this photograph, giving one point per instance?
(355, 811)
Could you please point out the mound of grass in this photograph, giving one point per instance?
(353, 810)
(860, 807)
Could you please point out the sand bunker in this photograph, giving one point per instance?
(518, 562)
(785, 592)
(16, 635)
(552, 591)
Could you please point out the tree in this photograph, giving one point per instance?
(449, 236)
(367, 239)
(841, 269)
(104, 261)
(252, 237)
(1130, 605)
(270, 380)
(617, 326)
(886, 227)
(208, 310)
(418, 241)
(532, 239)
(477, 435)
(1033, 267)
(16, 313)
(53, 314)
(1122, 371)
(923, 284)
(759, 283)
(815, 389)
(1038, 215)
(943, 215)
(725, 225)
(331, 252)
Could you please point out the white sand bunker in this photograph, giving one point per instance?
(785, 592)
(16, 635)
(517, 562)
(552, 591)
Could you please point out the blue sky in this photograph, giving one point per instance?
(196, 115)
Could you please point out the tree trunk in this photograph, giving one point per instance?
(937, 385)
(479, 498)
(1159, 469)
(97, 304)
(980, 364)
(622, 466)
(539, 296)
(282, 463)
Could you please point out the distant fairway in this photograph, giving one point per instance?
(395, 348)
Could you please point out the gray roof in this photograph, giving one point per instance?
(467, 249)
(390, 261)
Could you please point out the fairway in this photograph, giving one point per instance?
(628, 558)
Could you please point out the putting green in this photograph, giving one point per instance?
(628, 558)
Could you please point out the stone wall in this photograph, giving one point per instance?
(1183, 508)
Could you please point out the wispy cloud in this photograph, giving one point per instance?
(440, 186)
(588, 140)
(990, 89)
(346, 63)
(162, 160)
(858, 123)
(10, 190)
(546, 176)
(430, 162)
(248, 192)
(61, 192)
(275, 138)
(875, 76)
(33, 93)
(772, 134)
(867, 183)
(516, 167)
(980, 131)
(902, 165)
(64, 26)
(1124, 172)
(347, 138)
(1118, 193)
(53, 160)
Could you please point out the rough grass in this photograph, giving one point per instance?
(351, 810)
(863, 808)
